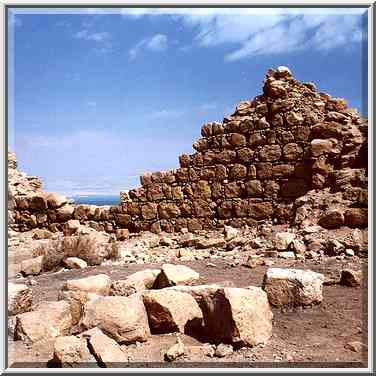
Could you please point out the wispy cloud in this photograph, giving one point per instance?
(102, 40)
(158, 42)
(263, 31)
(91, 104)
(165, 114)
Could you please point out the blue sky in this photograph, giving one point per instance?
(98, 97)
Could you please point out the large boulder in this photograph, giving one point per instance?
(75, 263)
(71, 351)
(172, 275)
(122, 318)
(233, 315)
(172, 311)
(136, 282)
(50, 320)
(106, 350)
(98, 284)
(293, 287)
(20, 299)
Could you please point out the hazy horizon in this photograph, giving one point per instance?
(98, 97)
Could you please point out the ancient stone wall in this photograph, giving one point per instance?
(248, 168)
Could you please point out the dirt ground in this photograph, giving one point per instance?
(310, 337)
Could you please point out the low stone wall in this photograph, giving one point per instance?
(250, 167)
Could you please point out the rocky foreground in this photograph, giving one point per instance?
(249, 296)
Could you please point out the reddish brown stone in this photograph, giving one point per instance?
(202, 208)
(206, 130)
(137, 194)
(194, 224)
(356, 217)
(256, 139)
(302, 133)
(217, 128)
(149, 211)
(237, 140)
(261, 210)
(201, 144)
(155, 192)
(292, 152)
(177, 193)
(168, 210)
(234, 189)
(122, 220)
(220, 172)
(283, 170)
(294, 187)
(271, 188)
(245, 155)
(237, 172)
(193, 174)
(226, 156)
(253, 188)
(240, 208)
(207, 173)
(225, 209)
(209, 158)
(270, 153)
(181, 175)
(201, 189)
(217, 190)
(197, 160)
(264, 170)
(184, 160)
(333, 218)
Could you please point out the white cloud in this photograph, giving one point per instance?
(258, 31)
(163, 114)
(91, 104)
(158, 42)
(97, 37)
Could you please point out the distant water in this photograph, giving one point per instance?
(99, 200)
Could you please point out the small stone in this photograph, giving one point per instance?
(350, 278)
(211, 265)
(283, 240)
(175, 351)
(230, 233)
(172, 275)
(223, 350)
(32, 266)
(349, 252)
(75, 263)
(356, 346)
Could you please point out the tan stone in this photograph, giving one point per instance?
(123, 318)
(172, 311)
(75, 263)
(98, 284)
(20, 298)
(293, 287)
(172, 275)
(32, 266)
(51, 319)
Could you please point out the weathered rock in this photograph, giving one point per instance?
(20, 299)
(51, 319)
(356, 217)
(123, 318)
(175, 351)
(253, 261)
(107, 352)
(332, 218)
(122, 234)
(230, 233)
(71, 226)
(75, 263)
(210, 243)
(172, 275)
(32, 266)
(171, 311)
(76, 300)
(283, 240)
(350, 278)
(356, 346)
(293, 287)
(136, 282)
(233, 315)
(223, 350)
(70, 351)
(98, 284)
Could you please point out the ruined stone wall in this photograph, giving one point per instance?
(253, 166)
(248, 168)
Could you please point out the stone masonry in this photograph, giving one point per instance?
(251, 167)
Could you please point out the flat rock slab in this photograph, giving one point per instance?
(293, 287)
(172, 311)
(122, 318)
(20, 299)
(98, 284)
